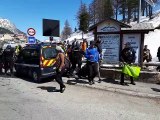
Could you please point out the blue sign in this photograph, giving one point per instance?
(31, 40)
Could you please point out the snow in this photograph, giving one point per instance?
(153, 41)
(78, 35)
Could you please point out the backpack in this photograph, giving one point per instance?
(66, 63)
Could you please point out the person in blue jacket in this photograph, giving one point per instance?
(92, 56)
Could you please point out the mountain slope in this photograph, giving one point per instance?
(6, 24)
(5, 31)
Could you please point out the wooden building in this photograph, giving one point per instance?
(114, 34)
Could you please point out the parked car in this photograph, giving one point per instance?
(37, 61)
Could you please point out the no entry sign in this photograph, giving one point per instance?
(31, 31)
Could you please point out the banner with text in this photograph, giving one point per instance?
(134, 40)
(110, 48)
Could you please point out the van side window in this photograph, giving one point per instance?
(49, 53)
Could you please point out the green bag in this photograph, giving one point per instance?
(131, 70)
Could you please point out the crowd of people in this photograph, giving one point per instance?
(74, 54)
(7, 58)
(77, 51)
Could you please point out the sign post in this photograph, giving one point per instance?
(31, 40)
(31, 32)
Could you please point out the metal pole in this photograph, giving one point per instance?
(139, 13)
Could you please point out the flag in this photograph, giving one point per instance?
(131, 70)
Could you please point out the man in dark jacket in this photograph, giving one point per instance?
(8, 58)
(1, 60)
(128, 55)
(77, 55)
(146, 54)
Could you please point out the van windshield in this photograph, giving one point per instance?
(49, 53)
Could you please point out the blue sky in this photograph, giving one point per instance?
(29, 13)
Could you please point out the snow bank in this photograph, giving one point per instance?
(152, 39)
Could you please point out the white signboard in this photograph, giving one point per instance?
(134, 40)
(108, 26)
(110, 48)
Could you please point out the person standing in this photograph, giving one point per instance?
(146, 54)
(76, 58)
(60, 64)
(98, 44)
(84, 45)
(92, 56)
(8, 58)
(158, 54)
(128, 55)
(1, 60)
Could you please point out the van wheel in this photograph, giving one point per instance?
(36, 77)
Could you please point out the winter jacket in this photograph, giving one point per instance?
(92, 54)
(147, 55)
(8, 54)
(128, 55)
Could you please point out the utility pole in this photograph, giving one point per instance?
(139, 13)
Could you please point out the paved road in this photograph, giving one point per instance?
(24, 100)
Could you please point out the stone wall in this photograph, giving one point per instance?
(145, 76)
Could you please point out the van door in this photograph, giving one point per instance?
(48, 59)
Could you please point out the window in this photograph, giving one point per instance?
(49, 53)
(31, 53)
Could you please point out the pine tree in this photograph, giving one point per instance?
(131, 5)
(100, 10)
(116, 4)
(67, 30)
(92, 13)
(83, 18)
(108, 9)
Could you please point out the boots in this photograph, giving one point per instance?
(132, 81)
(62, 89)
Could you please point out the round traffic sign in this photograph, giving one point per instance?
(31, 31)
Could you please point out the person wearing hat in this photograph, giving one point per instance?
(128, 55)
(92, 56)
